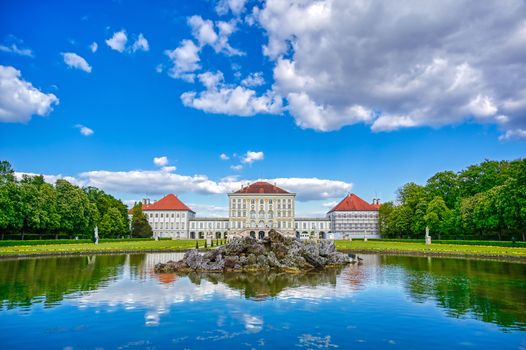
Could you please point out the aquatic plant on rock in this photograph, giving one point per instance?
(276, 252)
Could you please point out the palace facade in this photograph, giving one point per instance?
(256, 209)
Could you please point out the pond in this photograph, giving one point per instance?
(387, 302)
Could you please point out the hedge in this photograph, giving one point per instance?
(455, 241)
(10, 243)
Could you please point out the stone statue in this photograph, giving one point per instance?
(275, 252)
(428, 237)
(96, 234)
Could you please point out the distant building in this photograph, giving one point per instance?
(307, 228)
(256, 209)
(259, 207)
(168, 217)
(355, 218)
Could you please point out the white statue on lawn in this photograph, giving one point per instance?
(96, 234)
(428, 237)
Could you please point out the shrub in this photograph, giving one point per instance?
(454, 241)
(10, 243)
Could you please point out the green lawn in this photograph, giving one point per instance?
(181, 245)
(131, 246)
(433, 249)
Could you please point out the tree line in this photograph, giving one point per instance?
(483, 201)
(33, 208)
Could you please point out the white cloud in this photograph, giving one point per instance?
(169, 169)
(118, 41)
(93, 47)
(223, 156)
(235, 6)
(253, 79)
(314, 188)
(151, 182)
(513, 134)
(141, 44)
(53, 178)
(231, 100)
(161, 182)
(19, 100)
(419, 64)
(185, 59)
(388, 122)
(204, 31)
(237, 167)
(84, 130)
(13, 48)
(208, 210)
(330, 204)
(75, 61)
(160, 161)
(251, 157)
(308, 114)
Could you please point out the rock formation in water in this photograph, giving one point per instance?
(248, 254)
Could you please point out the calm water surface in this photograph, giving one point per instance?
(388, 302)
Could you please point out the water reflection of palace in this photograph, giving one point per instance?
(487, 290)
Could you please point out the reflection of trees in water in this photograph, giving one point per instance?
(491, 291)
(261, 285)
(26, 281)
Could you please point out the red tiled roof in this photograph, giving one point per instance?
(168, 202)
(352, 203)
(261, 187)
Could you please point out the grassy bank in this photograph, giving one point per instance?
(103, 247)
(433, 249)
(415, 248)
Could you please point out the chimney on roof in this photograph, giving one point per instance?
(146, 201)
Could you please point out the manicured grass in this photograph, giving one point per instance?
(457, 241)
(433, 249)
(9, 243)
(121, 246)
(182, 245)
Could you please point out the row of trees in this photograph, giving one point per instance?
(31, 207)
(484, 201)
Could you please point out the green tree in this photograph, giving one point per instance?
(444, 184)
(73, 206)
(418, 219)
(140, 225)
(402, 219)
(103, 202)
(385, 217)
(482, 177)
(111, 224)
(436, 215)
(411, 194)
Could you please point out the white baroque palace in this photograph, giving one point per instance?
(256, 209)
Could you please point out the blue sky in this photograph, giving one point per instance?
(324, 106)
